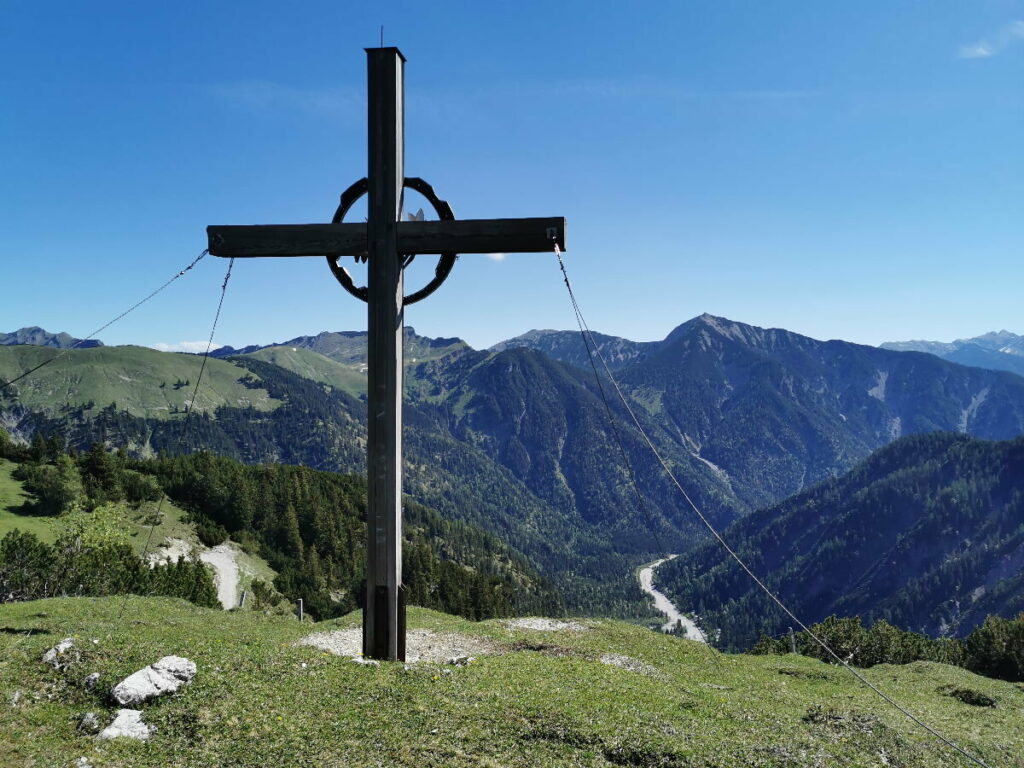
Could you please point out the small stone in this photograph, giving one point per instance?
(16, 699)
(89, 723)
(158, 679)
(127, 724)
(83, 762)
(461, 661)
(366, 662)
(91, 681)
(61, 654)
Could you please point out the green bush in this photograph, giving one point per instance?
(996, 648)
(84, 564)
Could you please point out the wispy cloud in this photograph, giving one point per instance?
(184, 346)
(495, 256)
(996, 44)
(264, 95)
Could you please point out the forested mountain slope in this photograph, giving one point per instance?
(777, 411)
(308, 525)
(928, 534)
(568, 347)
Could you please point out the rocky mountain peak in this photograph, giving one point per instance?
(40, 337)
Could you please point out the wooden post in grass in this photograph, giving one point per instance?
(388, 244)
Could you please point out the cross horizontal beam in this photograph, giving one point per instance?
(458, 236)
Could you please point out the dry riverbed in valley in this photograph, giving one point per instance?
(665, 606)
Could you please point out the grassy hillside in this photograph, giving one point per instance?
(141, 381)
(312, 365)
(340, 359)
(12, 497)
(547, 700)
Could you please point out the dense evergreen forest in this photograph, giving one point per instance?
(927, 534)
(308, 525)
(88, 495)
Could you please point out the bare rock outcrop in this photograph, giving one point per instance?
(63, 654)
(127, 724)
(158, 679)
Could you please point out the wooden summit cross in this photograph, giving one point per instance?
(388, 244)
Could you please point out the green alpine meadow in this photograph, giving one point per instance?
(586, 692)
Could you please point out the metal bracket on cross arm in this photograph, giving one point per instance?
(444, 264)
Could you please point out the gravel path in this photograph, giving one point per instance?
(171, 551)
(663, 604)
(222, 559)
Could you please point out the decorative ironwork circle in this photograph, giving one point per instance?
(444, 263)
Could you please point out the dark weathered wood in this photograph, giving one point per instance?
(385, 240)
(384, 357)
(459, 236)
(286, 240)
(482, 235)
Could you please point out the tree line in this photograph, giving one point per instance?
(308, 525)
(995, 648)
(90, 494)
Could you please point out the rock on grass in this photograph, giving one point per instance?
(162, 677)
(127, 724)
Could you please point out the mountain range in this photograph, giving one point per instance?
(999, 350)
(518, 439)
(42, 338)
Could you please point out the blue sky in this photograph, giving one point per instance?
(844, 170)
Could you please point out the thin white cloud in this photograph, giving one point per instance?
(495, 256)
(184, 346)
(1003, 39)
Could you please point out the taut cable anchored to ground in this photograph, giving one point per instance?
(188, 418)
(585, 329)
(102, 328)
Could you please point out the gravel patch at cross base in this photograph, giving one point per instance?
(420, 644)
(628, 662)
(546, 625)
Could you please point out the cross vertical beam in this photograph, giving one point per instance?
(384, 622)
(385, 242)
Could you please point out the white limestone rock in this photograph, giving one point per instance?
(91, 681)
(62, 654)
(158, 679)
(127, 724)
(365, 662)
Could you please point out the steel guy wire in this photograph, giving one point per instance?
(714, 532)
(98, 331)
(188, 418)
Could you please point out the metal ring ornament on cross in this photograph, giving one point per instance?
(444, 264)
